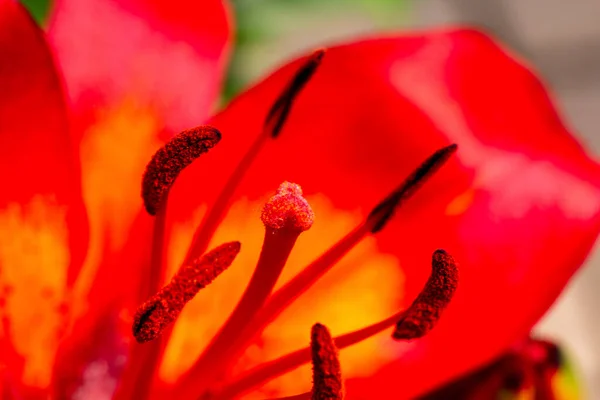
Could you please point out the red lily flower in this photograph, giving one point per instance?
(518, 206)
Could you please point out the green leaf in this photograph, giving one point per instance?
(39, 9)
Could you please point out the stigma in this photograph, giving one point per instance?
(288, 209)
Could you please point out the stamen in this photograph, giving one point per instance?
(171, 159)
(327, 374)
(160, 175)
(426, 310)
(281, 108)
(382, 213)
(285, 216)
(270, 370)
(160, 311)
(309, 275)
(164, 307)
(273, 124)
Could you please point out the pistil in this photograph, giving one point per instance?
(285, 216)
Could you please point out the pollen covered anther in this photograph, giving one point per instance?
(168, 162)
(163, 308)
(327, 373)
(425, 311)
(383, 211)
(288, 209)
(280, 110)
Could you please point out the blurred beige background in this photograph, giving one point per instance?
(561, 38)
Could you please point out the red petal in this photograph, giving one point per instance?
(43, 227)
(36, 152)
(134, 69)
(169, 55)
(35, 148)
(518, 207)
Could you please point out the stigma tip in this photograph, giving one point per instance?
(288, 209)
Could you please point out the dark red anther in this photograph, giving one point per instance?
(163, 308)
(168, 162)
(280, 110)
(327, 374)
(383, 211)
(427, 308)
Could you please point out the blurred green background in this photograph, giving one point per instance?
(38, 8)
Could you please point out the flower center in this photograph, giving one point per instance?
(285, 216)
(363, 267)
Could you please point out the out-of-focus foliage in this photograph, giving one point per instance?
(39, 9)
(270, 31)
